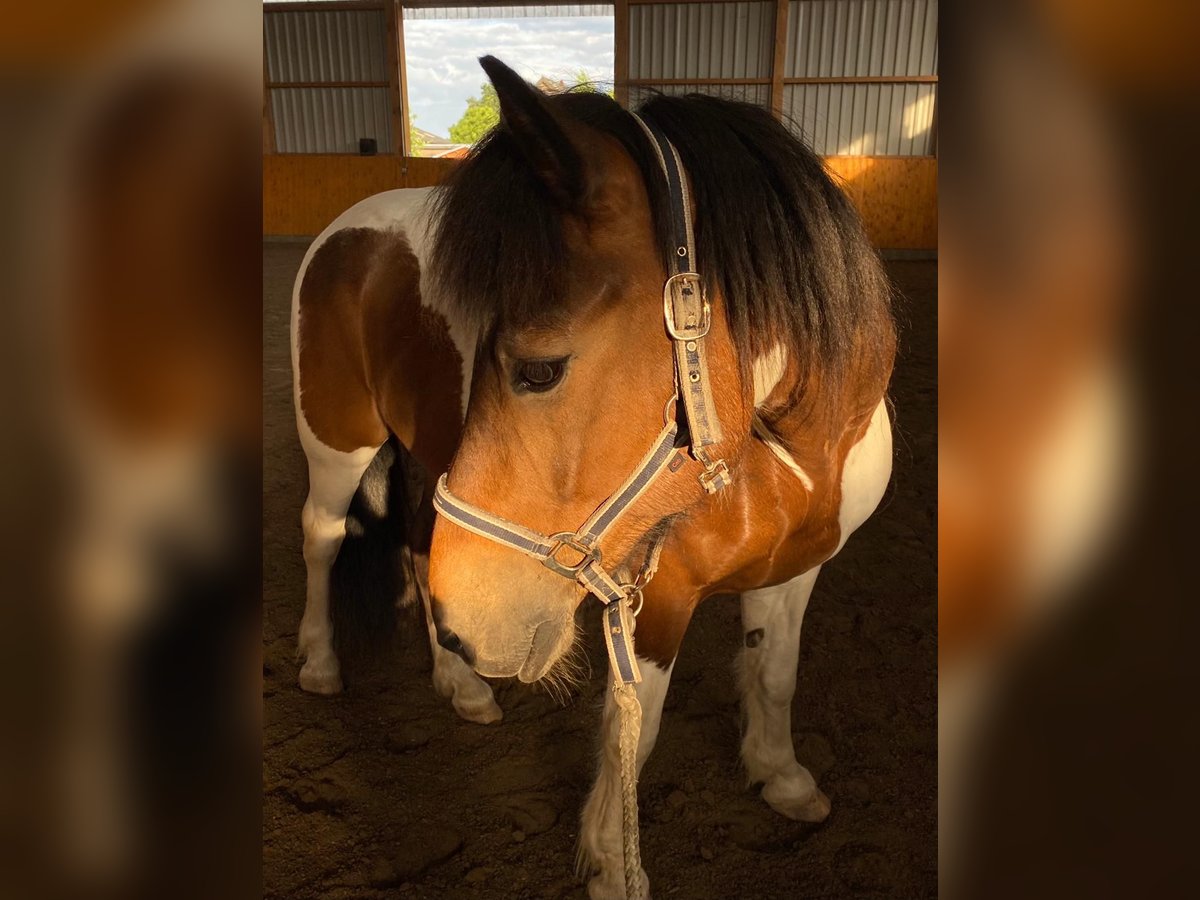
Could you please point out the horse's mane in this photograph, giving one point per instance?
(773, 233)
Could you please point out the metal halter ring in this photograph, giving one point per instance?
(632, 590)
(572, 541)
(667, 407)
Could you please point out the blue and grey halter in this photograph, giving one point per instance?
(687, 315)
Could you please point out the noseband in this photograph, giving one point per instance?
(687, 315)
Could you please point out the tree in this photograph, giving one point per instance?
(586, 83)
(482, 114)
(416, 141)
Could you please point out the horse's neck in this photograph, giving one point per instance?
(783, 513)
(798, 423)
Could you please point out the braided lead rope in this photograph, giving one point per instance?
(629, 731)
(619, 625)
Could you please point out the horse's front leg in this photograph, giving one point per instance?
(600, 845)
(771, 620)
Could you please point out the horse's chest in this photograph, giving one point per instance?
(796, 530)
(791, 516)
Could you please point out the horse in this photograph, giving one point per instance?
(530, 328)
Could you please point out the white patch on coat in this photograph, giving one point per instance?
(768, 371)
(763, 432)
(866, 473)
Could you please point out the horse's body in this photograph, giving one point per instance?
(383, 344)
(372, 355)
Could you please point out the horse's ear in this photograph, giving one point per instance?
(541, 139)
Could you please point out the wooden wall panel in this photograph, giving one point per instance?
(897, 196)
(302, 193)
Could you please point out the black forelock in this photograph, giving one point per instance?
(774, 234)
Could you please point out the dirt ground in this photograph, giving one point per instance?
(384, 792)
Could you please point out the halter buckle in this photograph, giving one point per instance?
(684, 301)
(570, 541)
(715, 477)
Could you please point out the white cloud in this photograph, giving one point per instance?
(443, 72)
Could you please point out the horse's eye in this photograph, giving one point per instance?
(538, 375)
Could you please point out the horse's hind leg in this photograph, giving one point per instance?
(333, 477)
(771, 619)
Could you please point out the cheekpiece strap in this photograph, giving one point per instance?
(687, 315)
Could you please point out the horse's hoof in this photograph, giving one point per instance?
(611, 886)
(316, 679)
(478, 708)
(471, 696)
(807, 805)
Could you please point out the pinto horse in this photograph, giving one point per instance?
(509, 329)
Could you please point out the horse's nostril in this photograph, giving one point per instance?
(454, 644)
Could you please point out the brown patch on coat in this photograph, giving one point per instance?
(372, 358)
(766, 528)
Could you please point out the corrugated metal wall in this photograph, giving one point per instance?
(668, 41)
(328, 46)
(329, 119)
(857, 38)
(700, 40)
(747, 93)
(840, 38)
(510, 12)
(862, 119)
(825, 39)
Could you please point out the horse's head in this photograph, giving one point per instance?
(556, 238)
(547, 239)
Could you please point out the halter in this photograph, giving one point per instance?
(576, 554)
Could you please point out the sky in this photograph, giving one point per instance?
(442, 53)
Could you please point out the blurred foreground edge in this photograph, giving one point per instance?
(1062, 605)
(132, 765)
